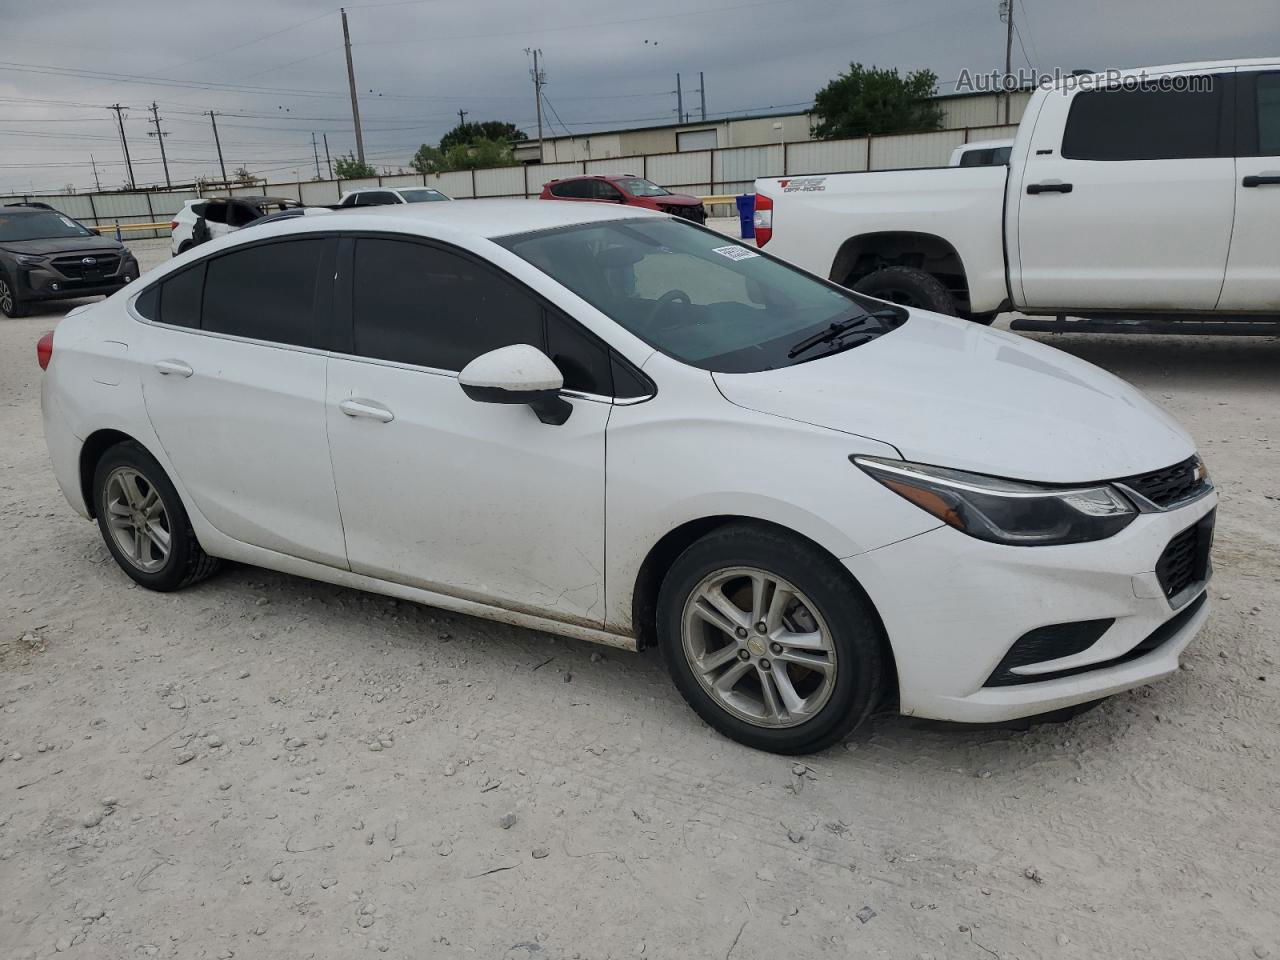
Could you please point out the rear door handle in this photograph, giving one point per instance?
(1265, 179)
(366, 408)
(1049, 186)
(175, 367)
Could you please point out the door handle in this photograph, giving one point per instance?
(366, 408)
(1264, 179)
(175, 367)
(1049, 186)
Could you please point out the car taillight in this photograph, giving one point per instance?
(44, 350)
(763, 219)
(173, 225)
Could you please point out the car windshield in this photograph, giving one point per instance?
(45, 225)
(639, 187)
(422, 196)
(699, 296)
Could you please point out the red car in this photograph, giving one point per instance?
(626, 188)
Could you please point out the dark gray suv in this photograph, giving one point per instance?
(45, 255)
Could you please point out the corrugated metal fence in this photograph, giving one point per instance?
(700, 172)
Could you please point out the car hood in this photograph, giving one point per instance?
(677, 200)
(956, 394)
(57, 245)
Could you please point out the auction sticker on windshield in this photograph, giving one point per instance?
(735, 252)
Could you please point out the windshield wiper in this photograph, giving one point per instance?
(837, 330)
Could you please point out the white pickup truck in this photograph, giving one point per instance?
(1131, 199)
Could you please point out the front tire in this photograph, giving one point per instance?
(143, 522)
(908, 287)
(769, 641)
(10, 305)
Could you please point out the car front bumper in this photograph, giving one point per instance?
(46, 283)
(954, 606)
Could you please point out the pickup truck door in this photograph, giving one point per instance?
(1126, 197)
(1253, 268)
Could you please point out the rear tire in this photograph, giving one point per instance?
(143, 521)
(10, 305)
(909, 287)
(797, 666)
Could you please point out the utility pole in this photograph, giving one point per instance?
(538, 80)
(96, 182)
(315, 150)
(351, 82)
(160, 135)
(462, 118)
(702, 93)
(679, 101)
(1006, 14)
(213, 118)
(125, 144)
(327, 162)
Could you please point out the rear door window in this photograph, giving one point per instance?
(267, 292)
(1148, 123)
(176, 299)
(1267, 107)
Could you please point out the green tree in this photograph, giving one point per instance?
(867, 101)
(428, 159)
(349, 168)
(465, 133)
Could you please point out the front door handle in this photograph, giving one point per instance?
(1265, 179)
(1049, 186)
(175, 367)
(366, 408)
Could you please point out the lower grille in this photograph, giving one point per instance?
(76, 267)
(697, 213)
(1185, 561)
(1156, 639)
(1044, 644)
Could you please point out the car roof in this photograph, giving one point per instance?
(479, 218)
(596, 176)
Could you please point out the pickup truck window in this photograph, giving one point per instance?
(698, 296)
(1146, 124)
(1268, 96)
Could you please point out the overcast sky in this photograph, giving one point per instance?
(609, 63)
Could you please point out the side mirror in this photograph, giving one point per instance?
(519, 373)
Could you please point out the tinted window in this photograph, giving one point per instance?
(574, 189)
(977, 158)
(180, 297)
(175, 300)
(1268, 107)
(423, 195)
(606, 191)
(267, 292)
(375, 199)
(1145, 124)
(417, 304)
(582, 359)
(242, 214)
(215, 212)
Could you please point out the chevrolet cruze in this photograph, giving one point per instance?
(618, 426)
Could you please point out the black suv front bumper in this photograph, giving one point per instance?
(66, 277)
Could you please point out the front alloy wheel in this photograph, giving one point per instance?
(770, 639)
(758, 646)
(10, 305)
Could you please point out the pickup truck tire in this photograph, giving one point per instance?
(909, 287)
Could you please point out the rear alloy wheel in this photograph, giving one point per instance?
(10, 305)
(908, 287)
(143, 522)
(769, 640)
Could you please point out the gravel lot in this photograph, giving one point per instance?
(264, 766)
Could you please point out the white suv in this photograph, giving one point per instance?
(387, 196)
(813, 502)
(222, 215)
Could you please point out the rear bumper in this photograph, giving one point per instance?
(954, 606)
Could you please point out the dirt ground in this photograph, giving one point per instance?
(263, 766)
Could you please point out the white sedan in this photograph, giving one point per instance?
(618, 426)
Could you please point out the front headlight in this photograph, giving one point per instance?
(29, 261)
(1006, 511)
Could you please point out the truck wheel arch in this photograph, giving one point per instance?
(862, 255)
